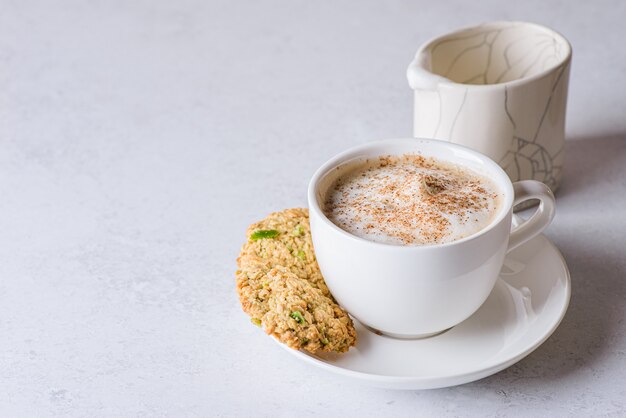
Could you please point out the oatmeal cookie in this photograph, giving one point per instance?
(278, 269)
(301, 316)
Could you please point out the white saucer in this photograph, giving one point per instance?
(525, 307)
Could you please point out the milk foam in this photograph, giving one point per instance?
(412, 200)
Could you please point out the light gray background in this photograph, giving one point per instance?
(138, 139)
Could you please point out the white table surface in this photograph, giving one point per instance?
(139, 139)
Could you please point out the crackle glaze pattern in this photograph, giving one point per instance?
(500, 88)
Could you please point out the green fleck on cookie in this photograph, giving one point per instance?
(301, 255)
(297, 316)
(264, 233)
(299, 230)
(256, 321)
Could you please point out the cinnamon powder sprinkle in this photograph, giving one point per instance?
(411, 200)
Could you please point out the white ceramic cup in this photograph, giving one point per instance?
(499, 88)
(416, 291)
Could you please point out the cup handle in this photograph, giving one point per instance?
(530, 228)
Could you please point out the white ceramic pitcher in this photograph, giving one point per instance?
(500, 88)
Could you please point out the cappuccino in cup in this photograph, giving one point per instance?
(411, 200)
(413, 244)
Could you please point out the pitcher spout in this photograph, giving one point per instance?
(419, 75)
